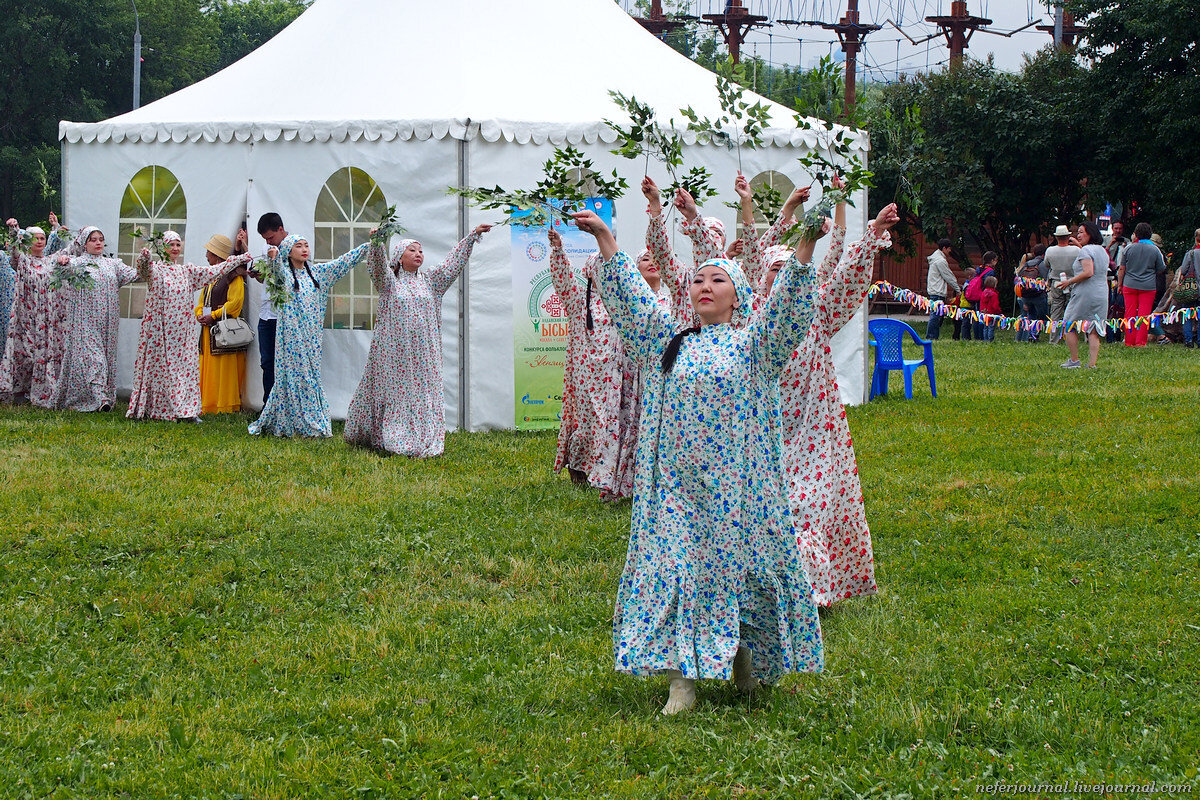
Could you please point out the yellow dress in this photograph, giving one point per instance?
(221, 375)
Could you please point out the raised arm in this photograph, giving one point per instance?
(380, 269)
(563, 276)
(125, 273)
(204, 274)
(441, 277)
(829, 264)
(705, 244)
(331, 272)
(144, 264)
(782, 324)
(849, 283)
(644, 325)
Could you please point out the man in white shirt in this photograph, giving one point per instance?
(939, 285)
(1060, 256)
(270, 228)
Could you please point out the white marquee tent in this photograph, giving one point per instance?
(420, 96)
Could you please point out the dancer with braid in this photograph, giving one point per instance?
(713, 586)
(299, 291)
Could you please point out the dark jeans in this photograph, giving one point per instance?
(934, 328)
(1036, 308)
(266, 354)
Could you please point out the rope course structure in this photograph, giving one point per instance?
(881, 40)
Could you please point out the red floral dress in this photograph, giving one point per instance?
(824, 492)
(598, 432)
(166, 372)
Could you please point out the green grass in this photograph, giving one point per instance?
(344, 625)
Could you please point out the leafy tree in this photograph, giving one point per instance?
(992, 154)
(245, 25)
(73, 60)
(1143, 110)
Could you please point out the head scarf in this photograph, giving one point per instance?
(34, 230)
(79, 246)
(171, 236)
(771, 256)
(716, 227)
(285, 252)
(741, 286)
(398, 251)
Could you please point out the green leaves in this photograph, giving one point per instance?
(568, 180)
(644, 136)
(388, 227)
(153, 242)
(747, 121)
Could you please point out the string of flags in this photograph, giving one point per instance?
(1034, 326)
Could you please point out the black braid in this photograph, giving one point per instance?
(310, 276)
(589, 304)
(669, 355)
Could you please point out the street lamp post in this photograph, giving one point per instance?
(137, 57)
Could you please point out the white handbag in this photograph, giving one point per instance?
(230, 335)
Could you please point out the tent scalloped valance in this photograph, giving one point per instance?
(493, 130)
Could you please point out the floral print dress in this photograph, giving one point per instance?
(824, 492)
(599, 387)
(713, 562)
(33, 349)
(297, 405)
(8, 296)
(400, 403)
(166, 372)
(88, 377)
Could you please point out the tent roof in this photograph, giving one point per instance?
(387, 69)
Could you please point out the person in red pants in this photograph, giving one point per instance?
(1141, 263)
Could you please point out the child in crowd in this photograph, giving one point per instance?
(962, 325)
(989, 303)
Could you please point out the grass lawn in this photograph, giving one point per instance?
(336, 624)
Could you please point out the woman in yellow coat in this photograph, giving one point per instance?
(221, 374)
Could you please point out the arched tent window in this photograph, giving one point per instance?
(349, 205)
(153, 201)
(780, 185)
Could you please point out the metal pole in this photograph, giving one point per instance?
(137, 58)
(464, 289)
(1058, 27)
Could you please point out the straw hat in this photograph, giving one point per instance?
(1062, 230)
(220, 246)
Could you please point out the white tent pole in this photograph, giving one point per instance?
(464, 288)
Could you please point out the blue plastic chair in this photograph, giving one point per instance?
(887, 337)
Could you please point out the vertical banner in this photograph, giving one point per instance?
(539, 318)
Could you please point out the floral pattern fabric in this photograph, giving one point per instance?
(88, 377)
(166, 371)
(713, 561)
(400, 404)
(824, 491)
(8, 295)
(599, 407)
(33, 347)
(297, 405)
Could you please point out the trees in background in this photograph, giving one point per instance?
(73, 59)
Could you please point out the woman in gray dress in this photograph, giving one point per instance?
(1089, 294)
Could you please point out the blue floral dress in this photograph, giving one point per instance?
(297, 405)
(713, 562)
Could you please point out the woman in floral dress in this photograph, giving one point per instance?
(599, 389)
(713, 585)
(90, 284)
(824, 492)
(400, 405)
(300, 292)
(166, 372)
(28, 371)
